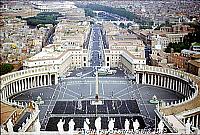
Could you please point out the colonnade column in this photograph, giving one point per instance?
(171, 83)
(137, 78)
(38, 80)
(20, 87)
(41, 83)
(50, 82)
(45, 82)
(164, 79)
(193, 121)
(177, 87)
(26, 84)
(56, 79)
(149, 81)
(155, 79)
(34, 82)
(31, 82)
(161, 81)
(3, 95)
(174, 84)
(181, 89)
(144, 78)
(48, 79)
(167, 81)
(197, 120)
(11, 87)
(187, 91)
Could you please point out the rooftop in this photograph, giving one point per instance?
(7, 111)
(196, 63)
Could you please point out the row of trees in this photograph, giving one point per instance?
(5, 68)
(187, 42)
(176, 47)
(43, 18)
(121, 12)
(89, 12)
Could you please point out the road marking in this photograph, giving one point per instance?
(121, 90)
(90, 89)
(102, 88)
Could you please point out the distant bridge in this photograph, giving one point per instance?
(119, 22)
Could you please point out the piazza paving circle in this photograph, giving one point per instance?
(71, 99)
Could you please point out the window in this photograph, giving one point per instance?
(84, 58)
(107, 58)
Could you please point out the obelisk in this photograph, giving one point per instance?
(97, 87)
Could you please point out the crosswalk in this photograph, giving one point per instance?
(93, 81)
(113, 77)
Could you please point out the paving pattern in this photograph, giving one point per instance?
(61, 101)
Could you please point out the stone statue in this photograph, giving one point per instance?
(37, 126)
(136, 125)
(126, 124)
(3, 130)
(23, 124)
(154, 97)
(60, 126)
(71, 125)
(161, 126)
(187, 127)
(113, 105)
(10, 125)
(111, 124)
(86, 124)
(27, 120)
(79, 105)
(36, 107)
(98, 124)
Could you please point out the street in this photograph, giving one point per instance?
(96, 53)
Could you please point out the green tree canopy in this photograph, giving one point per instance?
(6, 68)
(43, 18)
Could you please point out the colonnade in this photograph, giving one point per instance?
(27, 81)
(170, 82)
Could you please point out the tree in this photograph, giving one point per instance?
(43, 18)
(122, 25)
(121, 12)
(89, 12)
(5, 68)
(129, 24)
